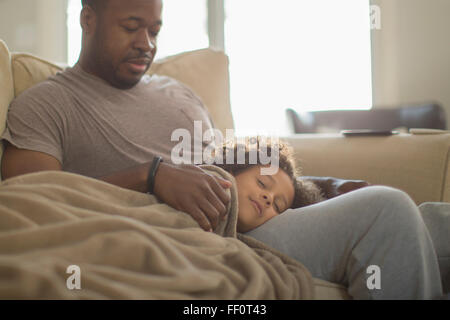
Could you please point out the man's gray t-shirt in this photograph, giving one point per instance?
(95, 129)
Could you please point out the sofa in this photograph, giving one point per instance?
(416, 163)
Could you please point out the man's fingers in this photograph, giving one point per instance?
(210, 212)
(218, 189)
(204, 196)
(201, 219)
(217, 204)
(224, 183)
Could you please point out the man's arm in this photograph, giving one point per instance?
(187, 187)
(16, 162)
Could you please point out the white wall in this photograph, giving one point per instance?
(35, 26)
(52, 29)
(18, 24)
(411, 53)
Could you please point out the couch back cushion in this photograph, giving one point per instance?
(6, 86)
(415, 163)
(29, 70)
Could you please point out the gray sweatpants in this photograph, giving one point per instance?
(338, 239)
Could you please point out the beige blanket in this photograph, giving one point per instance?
(128, 246)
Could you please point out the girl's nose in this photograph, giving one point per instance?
(267, 199)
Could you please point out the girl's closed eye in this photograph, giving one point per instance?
(261, 184)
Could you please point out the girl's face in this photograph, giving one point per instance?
(261, 198)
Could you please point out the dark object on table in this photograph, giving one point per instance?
(429, 116)
(367, 133)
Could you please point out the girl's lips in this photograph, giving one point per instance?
(257, 207)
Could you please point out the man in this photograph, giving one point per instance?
(105, 119)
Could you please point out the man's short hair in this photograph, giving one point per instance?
(95, 4)
(87, 2)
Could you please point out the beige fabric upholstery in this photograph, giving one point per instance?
(6, 87)
(325, 290)
(417, 164)
(29, 70)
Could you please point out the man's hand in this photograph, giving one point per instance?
(190, 189)
(333, 187)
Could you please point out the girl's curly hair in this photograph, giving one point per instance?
(306, 192)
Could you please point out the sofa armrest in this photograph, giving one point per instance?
(6, 88)
(414, 163)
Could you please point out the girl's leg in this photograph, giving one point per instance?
(337, 240)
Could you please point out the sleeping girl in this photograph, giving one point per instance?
(341, 239)
(262, 197)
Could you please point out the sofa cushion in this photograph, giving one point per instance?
(6, 87)
(415, 163)
(29, 70)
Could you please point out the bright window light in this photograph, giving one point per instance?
(184, 28)
(303, 54)
(73, 31)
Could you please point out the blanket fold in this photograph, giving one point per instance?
(128, 245)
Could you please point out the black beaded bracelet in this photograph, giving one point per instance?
(151, 174)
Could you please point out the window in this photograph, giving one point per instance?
(304, 54)
(184, 28)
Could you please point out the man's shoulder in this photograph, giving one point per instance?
(47, 94)
(46, 89)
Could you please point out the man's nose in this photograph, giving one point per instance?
(144, 42)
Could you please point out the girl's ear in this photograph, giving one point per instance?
(88, 20)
